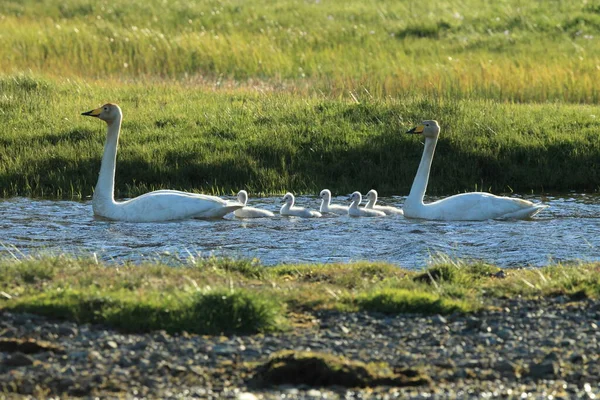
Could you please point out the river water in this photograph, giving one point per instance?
(567, 231)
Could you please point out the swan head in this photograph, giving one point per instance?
(109, 112)
(356, 197)
(325, 194)
(371, 194)
(429, 129)
(242, 197)
(288, 198)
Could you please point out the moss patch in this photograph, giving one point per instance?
(320, 369)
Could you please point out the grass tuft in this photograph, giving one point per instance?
(203, 313)
(402, 301)
(212, 295)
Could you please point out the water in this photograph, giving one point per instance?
(568, 231)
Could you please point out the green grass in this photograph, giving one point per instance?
(195, 139)
(215, 296)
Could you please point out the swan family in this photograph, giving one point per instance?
(168, 205)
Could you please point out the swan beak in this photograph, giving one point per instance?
(417, 129)
(93, 113)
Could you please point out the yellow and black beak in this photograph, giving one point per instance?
(93, 113)
(416, 130)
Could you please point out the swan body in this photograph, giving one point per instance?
(327, 207)
(388, 210)
(475, 206)
(356, 211)
(249, 212)
(289, 209)
(161, 205)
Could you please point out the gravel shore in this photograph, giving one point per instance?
(521, 349)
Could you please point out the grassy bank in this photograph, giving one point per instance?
(300, 95)
(501, 50)
(220, 141)
(237, 296)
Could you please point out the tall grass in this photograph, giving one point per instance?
(222, 141)
(503, 50)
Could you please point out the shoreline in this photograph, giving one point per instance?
(208, 331)
(539, 347)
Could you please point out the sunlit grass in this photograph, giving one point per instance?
(222, 295)
(505, 50)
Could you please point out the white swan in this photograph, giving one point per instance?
(327, 207)
(474, 206)
(388, 210)
(289, 209)
(161, 205)
(249, 212)
(355, 211)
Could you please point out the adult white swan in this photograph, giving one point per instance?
(161, 205)
(388, 210)
(327, 207)
(289, 209)
(249, 212)
(474, 206)
(355, 211)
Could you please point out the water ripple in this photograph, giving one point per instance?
(569, 230)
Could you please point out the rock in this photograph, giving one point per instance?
(504, 334)
(67, 331)
(246, 396)
(18, 359)
(472, 323)
(78, 354)
(500, 274)
(438, 319)
(95, 356)
(567, 343)
(111, 344)
(507, 368)
(544, 369)
(224, 349)
(577, 358)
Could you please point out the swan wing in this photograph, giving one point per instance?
(476, 206)
(335, 209)
(166, 205)
(388, 210)
(251, 212)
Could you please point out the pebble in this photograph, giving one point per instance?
(539, 349)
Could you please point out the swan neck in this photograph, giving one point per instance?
(419, 186)
(106, 179)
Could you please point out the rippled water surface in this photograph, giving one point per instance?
(568, 230)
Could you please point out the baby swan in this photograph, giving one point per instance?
(388, 210)
(476, 206)
(327, 207)
(161, 205)
(249, 212)
(356, 211)
(289, 209)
